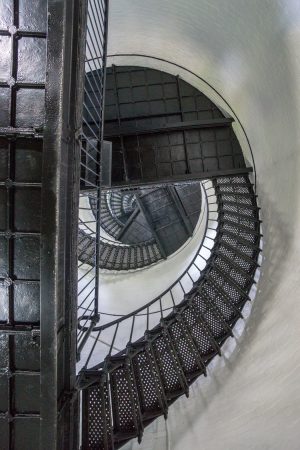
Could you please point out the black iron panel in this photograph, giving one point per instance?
(22, 110)
(147, 92)
(162, 128)
(33, 290)
(190, 198)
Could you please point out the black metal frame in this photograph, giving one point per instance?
(40, 149)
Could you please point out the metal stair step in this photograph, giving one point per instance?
(127, 420)
(219, 300)
(247, 234)
(202, 320)
(248, 273)
(216, 311)
(240, 257)
(249, 237)
(234, 180)
(215, 321)
(252, 227)
(205, 343)
(170, 371)
(245, 220)
(96, 417)
(248, 199)
(249, 209)
(234, 274)
(150, 389)
(233, 294)
(239, 239)
(188, 355)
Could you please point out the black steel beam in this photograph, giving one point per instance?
(126, 130)
(21, 132)
(151, 226)
(188, 163)
(127, 224)
(180, 209)
(186, 178)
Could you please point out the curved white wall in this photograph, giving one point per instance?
(249, 50)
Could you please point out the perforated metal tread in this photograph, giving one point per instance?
(171, 356)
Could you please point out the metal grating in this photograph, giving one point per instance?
(185, 348)
(96, 402)
(124, 394)
(168, 366)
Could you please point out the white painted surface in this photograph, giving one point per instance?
(250, 52)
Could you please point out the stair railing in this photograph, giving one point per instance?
(109, 337)
(91, 146)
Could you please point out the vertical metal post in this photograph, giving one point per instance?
(188, 165)
(100, 144)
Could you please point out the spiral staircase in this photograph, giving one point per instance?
(134, 366)
(177, 168)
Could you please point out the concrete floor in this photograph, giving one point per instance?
(249, 51)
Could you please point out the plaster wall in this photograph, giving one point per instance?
(249, 51)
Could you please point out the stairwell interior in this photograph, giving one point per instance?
(149, 301)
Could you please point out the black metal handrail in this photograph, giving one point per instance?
(91, 146)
